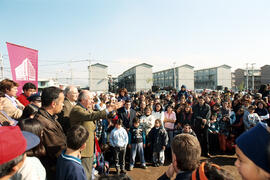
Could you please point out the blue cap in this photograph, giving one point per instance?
(254, 143)
(32, 140)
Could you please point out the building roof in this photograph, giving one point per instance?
(142, 64)
(185, 65)
(265, 66)
(99, 65)
(224, 66)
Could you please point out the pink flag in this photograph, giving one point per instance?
(23, 64)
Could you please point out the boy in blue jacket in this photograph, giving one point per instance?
(69, 165)
(119, 141)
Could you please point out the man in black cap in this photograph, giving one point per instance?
(35, 99)
(182, 92)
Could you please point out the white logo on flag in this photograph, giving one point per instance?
(25, 71)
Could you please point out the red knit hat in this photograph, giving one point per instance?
(12, 143)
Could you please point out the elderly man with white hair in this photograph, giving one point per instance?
(71, 96)
(83, 114)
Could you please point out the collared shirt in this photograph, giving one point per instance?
(82, 106)
(13, 100)
(69, 167)
(72, 103)
(70, 158)
(127, 111)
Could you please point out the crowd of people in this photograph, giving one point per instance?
(78, 134)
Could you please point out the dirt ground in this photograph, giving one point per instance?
(152, 173)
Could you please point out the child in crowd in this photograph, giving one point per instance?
(252, 118)
(187, 129)
(158, 139)
(14, 163)
(148, 120)
(210, 171)
(69, 162)
(213, 133)
(107, 127)
(119, 141)
(35, 127)
(224, 125)
(100, 166)
(186, 153)
(136, 143)
(251, 150)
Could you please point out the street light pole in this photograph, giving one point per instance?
(174, 75)
(253, 76)
(89, 72)
(247, 77)
(71, 73)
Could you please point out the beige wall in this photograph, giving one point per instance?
(186, 77)
(144, 78)
(224, 77)
(99, 78)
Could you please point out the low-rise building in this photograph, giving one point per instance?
(213, 78)
(265, 74)
(43, 83)
(244, 77)
(98, 77)
(175, 77)
(137, 78)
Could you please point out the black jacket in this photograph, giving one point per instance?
(199, 113)
(136, 135)
(158, 138)
(127, 122)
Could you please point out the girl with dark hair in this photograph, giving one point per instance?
(262, 111)
(32, 168)
(186, 116)
(238, 125)
(35, 127)
(123, 95)
(158, 113)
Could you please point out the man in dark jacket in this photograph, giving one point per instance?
(182, 92)
(53, 139)
(127, 114)
(71, 96)
(201, 117)
(186, 153)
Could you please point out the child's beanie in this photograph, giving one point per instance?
(254, 144)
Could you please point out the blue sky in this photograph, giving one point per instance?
(123, 33)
